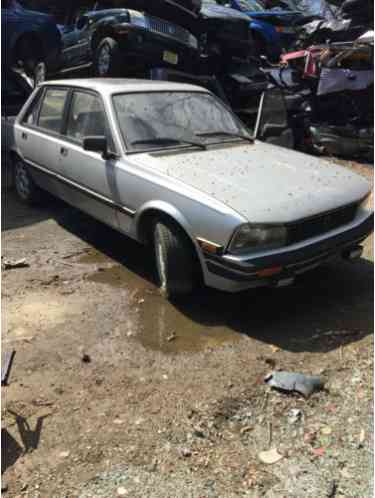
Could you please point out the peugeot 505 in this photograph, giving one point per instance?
(169, 164)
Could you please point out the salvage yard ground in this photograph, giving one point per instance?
(117, 392)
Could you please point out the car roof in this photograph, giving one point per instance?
(121, 85)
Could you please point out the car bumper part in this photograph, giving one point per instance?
(280, 268)
(145, 49)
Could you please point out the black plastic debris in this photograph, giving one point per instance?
(294, 382)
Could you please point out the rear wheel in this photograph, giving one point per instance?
(26, 188)
(175, 260)
(107, 58)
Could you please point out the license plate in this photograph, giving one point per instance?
(170, 57)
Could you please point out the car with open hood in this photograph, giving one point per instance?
(170, 165)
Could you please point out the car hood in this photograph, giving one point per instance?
(262, 182)
(219, 12)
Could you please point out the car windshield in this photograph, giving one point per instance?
(251, 6)
(156, 120)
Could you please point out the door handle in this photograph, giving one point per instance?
(24, 136)
(64, 151)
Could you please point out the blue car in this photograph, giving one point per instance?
(30, 39)
(273, 30)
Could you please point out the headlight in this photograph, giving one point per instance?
(138, 19)
(249, 238)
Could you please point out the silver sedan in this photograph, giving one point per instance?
(168, 164)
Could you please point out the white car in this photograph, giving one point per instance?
(169, 164)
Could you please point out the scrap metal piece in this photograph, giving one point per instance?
(10, 264)
(289, 381)
(6, 366)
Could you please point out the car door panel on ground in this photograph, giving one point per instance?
(89, 176)
(45, 119)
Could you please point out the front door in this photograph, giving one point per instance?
(76, 38)
(89, 177)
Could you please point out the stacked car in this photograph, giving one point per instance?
(235, 48)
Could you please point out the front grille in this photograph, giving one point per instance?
(166, 28)
(318, 225)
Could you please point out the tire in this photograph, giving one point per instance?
(175, 260)
(107, 58)
(26, 189)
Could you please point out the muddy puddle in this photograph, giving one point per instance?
(162, 326)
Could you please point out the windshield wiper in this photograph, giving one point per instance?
(225, 133)
(168, 140)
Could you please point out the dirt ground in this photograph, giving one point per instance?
(116, 392)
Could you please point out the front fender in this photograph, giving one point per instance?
(172, 212)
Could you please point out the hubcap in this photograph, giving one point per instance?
(104, 60)
(22, 181)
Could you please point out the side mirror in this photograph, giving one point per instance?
(96, 144)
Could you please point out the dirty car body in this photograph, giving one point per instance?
(254, 214)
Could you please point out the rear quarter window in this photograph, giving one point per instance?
(52, 110)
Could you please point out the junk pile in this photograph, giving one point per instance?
(329, 96)
(324, 98)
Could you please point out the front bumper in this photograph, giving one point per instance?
(233, 274)
(143, 49)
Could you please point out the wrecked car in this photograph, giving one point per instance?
(110, 38)
(169, 164)
(224, 34)
(273, 30)
(29, 40)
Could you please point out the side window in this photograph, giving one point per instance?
(52, 110)
(31, 116)
(87, 118)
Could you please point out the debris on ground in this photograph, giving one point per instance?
(86, 358)
(270, 456)
(294, 382)
(9, 264)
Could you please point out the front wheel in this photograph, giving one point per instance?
(107, 58)
(174, 259)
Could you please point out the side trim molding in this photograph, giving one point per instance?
(90, 193)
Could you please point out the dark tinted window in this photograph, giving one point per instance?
(52, 109)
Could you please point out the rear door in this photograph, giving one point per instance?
(88, 176)
(39, 137)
